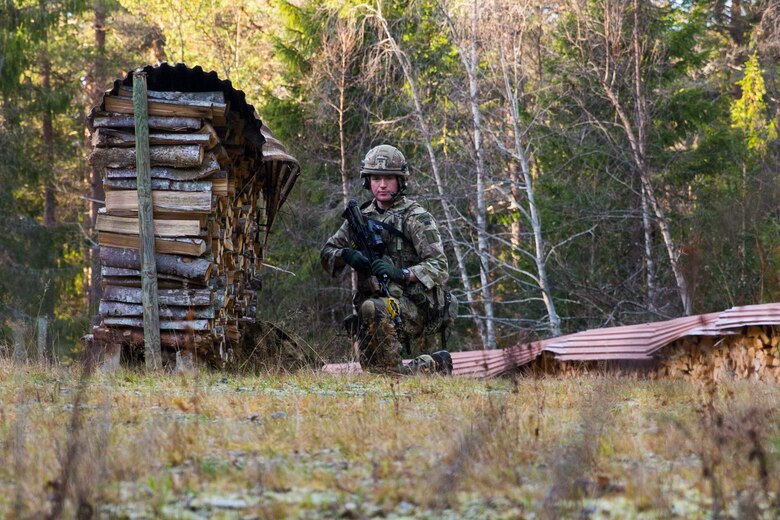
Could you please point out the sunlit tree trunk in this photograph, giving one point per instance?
(512, 99)
(94, 87)
(425, 133)
(467, 51)
(633, 120)
(50, 201)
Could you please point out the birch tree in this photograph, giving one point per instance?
(615, 53)
(510, 23)
(466, 41)
(390, 44)
(334, 77)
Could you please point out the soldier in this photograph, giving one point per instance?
(414, 265)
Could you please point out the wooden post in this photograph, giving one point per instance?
(19, 329)
(112, 355)
(185, 362)
(43, 327)
(152, 353)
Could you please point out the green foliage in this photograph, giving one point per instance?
(710, 143)
(42, 267)
(748, 113)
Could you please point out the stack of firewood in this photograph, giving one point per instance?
(750, 353)
(747, 353)
(210, 197)
(547, 365)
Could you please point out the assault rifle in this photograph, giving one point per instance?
(367, 238)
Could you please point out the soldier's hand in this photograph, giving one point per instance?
(355, 259)
(381, 267)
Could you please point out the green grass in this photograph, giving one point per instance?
(311, 445)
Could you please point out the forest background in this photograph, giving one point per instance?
(590, 162)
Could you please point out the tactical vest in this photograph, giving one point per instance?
(400, 249)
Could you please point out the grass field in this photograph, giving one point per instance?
(309, 445)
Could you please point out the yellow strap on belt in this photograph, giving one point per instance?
(393, 308)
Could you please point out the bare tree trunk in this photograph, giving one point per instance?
(96, 193)
(638, 143)
(50, 201)
(469, 58)
(649, 261)
(519, 153)
(449, 222)
(642, 121)
(346, 47)
(516, 227)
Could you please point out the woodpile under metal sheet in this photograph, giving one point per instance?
(739, 343)
(218, 179)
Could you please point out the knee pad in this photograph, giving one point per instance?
(368, 312)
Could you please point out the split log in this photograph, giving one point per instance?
(170, 264)
(180, 297)
(180, 108)
(162, 228)
(187, 156)
(210, 166)
(211, 97)
(173, 124)
(213, 136)
(171, 246)
(164, 185)
(125, 203)
(136, 337)
(132, 277)
(120, 309)
(107, 137)
(198, 325)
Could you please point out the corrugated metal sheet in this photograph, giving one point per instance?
(631, 342)
(472, 363)
(489, 363)
(766, 314)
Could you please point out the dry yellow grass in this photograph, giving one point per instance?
(312, 445)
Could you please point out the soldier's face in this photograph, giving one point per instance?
(384, 188)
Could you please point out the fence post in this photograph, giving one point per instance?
(149, 296)
(19, 329)
(43, 329)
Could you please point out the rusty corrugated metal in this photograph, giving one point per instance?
(630, 342)
(736, 317)
(471, 363)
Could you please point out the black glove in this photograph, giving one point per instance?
(381, 267)
(355, 259)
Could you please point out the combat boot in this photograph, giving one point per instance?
(443, 361)
(437, 363)
(423, 364)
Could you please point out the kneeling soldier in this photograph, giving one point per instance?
(409, 300)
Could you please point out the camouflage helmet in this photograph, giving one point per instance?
(384, 160)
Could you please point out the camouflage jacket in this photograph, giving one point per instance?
(420, 250)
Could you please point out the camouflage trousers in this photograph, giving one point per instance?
(381, 341)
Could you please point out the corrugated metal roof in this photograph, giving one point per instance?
(489, 363)
(279, 168)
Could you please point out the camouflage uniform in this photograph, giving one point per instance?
(420, 250)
